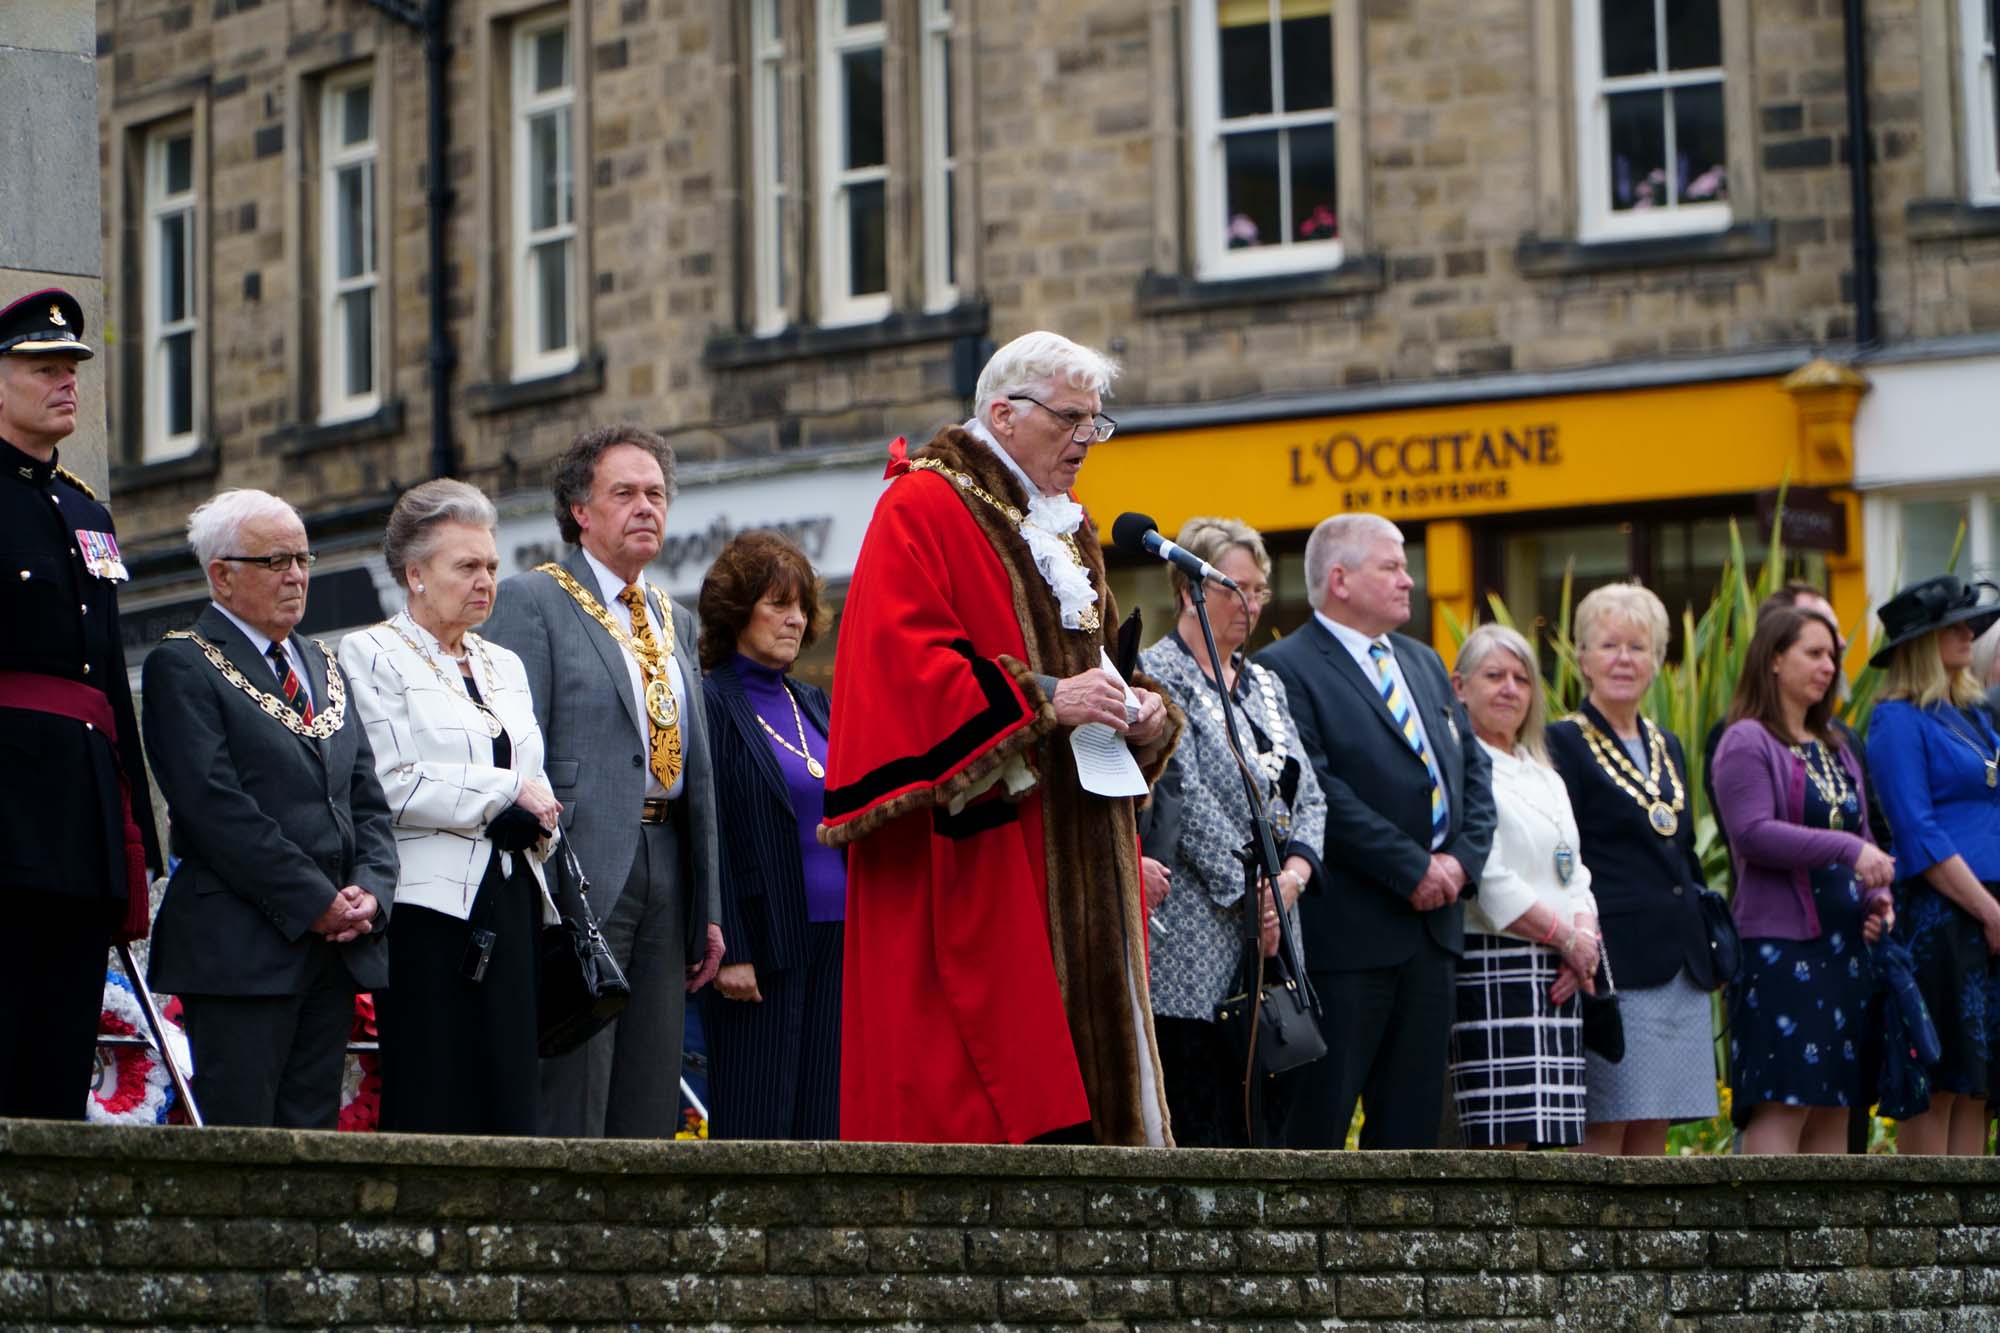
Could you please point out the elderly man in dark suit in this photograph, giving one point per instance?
(1409, 821)
(610, 664)
(276, 915)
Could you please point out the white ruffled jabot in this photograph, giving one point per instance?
(1050, 518)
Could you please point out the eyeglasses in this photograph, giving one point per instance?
(1258, 594)
(278, 562)
(1081, 428)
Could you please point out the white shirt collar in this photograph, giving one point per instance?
(1350, 638)
(977, 429)
(609, 585)
(258, 638)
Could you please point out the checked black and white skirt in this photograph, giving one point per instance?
(1516, 1056)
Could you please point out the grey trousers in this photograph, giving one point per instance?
(624, 1083)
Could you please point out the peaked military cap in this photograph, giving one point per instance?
(44, 323)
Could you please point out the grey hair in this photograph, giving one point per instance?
(1492, 638)
(414, 522)
(1632, 602)
(1343, 540)
(1986, 655)
(1212, 539)
(575, 471)
(1034, 363)
(216, 525)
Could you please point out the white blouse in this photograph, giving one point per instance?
(1535, 820)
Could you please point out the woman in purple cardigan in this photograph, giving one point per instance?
(1811, 886)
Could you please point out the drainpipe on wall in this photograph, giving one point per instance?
(1860, 181)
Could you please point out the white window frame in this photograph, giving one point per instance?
(336, 404)
(1213, 257)
(940, 159)
(1982, 116)
(530, 361)
(769, 192)
(156, 445)
(1597, 220)
(837, 305)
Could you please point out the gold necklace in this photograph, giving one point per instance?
(1088, 618)
(325, 722)
(1832, 785)
(488, 719)
(1991, 761)
(1617, 765)
(661, 705)
(813, 765)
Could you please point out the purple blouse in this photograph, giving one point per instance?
(825, 869)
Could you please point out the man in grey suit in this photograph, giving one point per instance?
(276, 914)
(611, 664)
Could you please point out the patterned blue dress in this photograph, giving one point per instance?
(1800, 1013)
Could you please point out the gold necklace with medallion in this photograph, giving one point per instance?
(488, 719)
(661, 705)
(1991, 761)
(813, 766)
(1832, 784)
(1664, 816)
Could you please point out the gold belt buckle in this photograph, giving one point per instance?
(654, 811)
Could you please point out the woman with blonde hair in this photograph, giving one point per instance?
(1628, 784)
(1936, 757)
(1517, 1063)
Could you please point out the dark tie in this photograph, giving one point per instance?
(288, 682)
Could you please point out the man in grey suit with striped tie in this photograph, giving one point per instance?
(611, 665)
(1409, 821)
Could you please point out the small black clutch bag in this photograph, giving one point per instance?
(1603, 1025)
(1287, 1035)
(1725, 946)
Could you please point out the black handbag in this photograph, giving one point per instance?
(1725, 946)
(582, 988)
(1603, 1024)
(1287, 1036)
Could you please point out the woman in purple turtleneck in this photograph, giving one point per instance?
(773, 1015)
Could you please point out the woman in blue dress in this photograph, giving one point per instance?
(1811, 887)
(1936, 757)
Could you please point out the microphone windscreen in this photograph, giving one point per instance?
(1128, 532)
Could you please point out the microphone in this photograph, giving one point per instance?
(1136, 534)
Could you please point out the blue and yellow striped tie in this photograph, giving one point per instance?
(1399, 709)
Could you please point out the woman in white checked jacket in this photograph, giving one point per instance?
(1531, 943)
(459, 753)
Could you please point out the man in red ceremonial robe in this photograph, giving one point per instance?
(996, 943)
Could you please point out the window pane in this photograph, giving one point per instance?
(863, 11)
(1308, 58)
(944, 54)
(352, 227)
(950, 229)
(357, 109)
(862, 71)
(1250, 189)
(550, 201)
(174, 277)
(1702, 174)
(1930, 529)
(1629, 41)
(867, 240)
(1688, 560)
(178, 353)
(357, 319)
(1638, 150)
(178, 170)
(1314, 207)
(551, 263)
(551, 60)
(1694, 34)
(1246, 69)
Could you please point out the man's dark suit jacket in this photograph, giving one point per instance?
(1378, 813)
(269, 825)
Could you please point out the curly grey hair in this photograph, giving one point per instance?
(414, 523)
(576, 469)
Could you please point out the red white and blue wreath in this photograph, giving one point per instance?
(131, 1086)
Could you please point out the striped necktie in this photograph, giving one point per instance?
(1406, 718)
(289, 684)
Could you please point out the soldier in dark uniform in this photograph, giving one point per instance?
(76, 814)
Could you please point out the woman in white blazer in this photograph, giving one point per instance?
(460, 756)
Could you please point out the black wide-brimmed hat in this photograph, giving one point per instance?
(44, 323)
(1931, 605)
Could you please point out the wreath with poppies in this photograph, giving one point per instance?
(131, 1086)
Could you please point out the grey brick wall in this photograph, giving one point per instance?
(266, 1228)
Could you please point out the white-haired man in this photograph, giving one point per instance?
(1409, 821)
(995, 961)
(275, 917)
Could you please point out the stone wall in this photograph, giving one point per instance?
(104, 1225)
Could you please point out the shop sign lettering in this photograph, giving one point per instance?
(1411, 471)
(698, 549)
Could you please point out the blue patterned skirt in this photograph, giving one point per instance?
(1960, 982)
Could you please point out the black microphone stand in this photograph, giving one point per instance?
(1261, 868)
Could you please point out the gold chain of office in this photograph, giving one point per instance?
(325, 722)
(1664, 816)
(661, 706)
(1088, 618)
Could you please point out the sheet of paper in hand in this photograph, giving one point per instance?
(1104, 763)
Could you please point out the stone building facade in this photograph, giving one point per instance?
(783, 231)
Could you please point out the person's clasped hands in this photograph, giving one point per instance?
(350, 916)
(1096, 696)
(1440, 886)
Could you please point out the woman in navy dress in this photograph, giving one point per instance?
(1936, 757)
(1811, 888)
(773, 1016)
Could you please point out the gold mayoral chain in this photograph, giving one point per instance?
(1618, 766)
(325, 722)
(813, 765)
(1832, 784)
(489, 720)
(661, 707)
(1088, 618)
